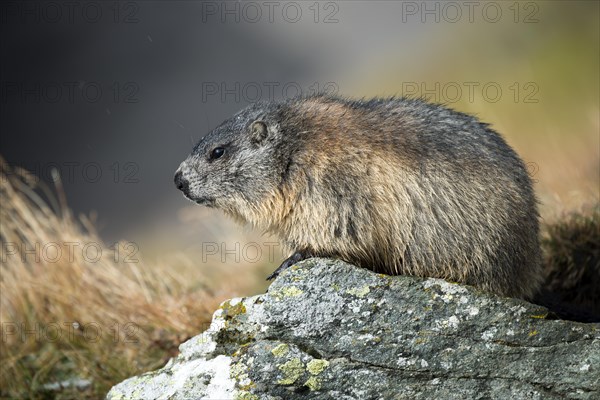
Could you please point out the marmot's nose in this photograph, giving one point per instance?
(181, 183)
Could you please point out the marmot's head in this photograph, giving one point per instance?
(237, 164)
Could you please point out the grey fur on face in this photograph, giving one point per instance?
(235, 174)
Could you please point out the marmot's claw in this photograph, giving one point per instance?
(291, 260)
(273, 275)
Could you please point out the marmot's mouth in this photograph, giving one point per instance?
(205, 201)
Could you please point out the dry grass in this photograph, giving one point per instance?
(78, 315)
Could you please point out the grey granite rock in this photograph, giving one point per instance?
(329, 330)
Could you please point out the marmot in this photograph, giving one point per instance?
(395, 185)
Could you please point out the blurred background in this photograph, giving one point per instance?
(116, 94)
(113, 96)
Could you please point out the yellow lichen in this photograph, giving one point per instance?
(247, 386)
(280, 350)
(289, 291)
(239, 372)
(236, 370)
(359, 292)
(243, 395)
(540, 316)
(292, 370)
(533, 333)
(313, 383)
(316, 366)
(231, 311)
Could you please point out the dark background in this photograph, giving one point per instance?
(161, 67)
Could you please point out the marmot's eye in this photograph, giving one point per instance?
(217, 153)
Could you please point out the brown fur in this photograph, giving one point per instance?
(397, 186)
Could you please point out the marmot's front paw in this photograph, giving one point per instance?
(291, 260)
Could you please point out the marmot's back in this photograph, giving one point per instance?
(399, 186)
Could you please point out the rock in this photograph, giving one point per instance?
(77, 383)
(329, 330)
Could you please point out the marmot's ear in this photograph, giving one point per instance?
(258, 132)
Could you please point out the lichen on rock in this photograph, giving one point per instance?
(329, 330)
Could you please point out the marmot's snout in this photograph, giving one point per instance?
(181, 183)
(189, 182)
